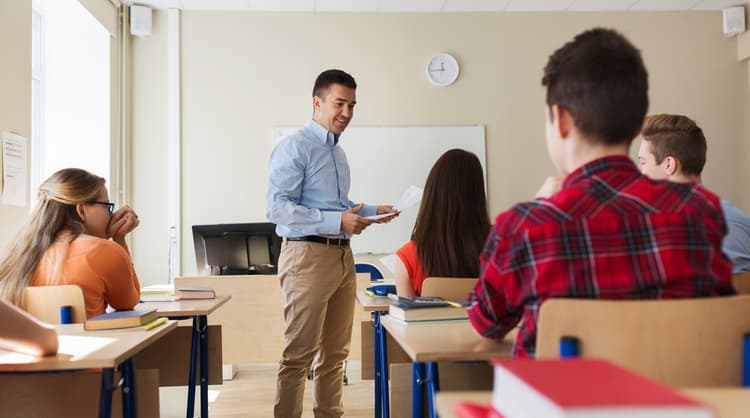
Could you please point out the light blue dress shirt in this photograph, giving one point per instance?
(736, 243)
(308, 184)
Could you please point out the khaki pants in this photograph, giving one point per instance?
(318, 289)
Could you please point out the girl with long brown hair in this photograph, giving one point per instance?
(451, 227)
(67, 241)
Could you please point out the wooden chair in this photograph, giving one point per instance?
(741, 282)
(456, 289)
(679, 342)
(44, 302)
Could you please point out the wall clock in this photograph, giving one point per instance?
(442, 69)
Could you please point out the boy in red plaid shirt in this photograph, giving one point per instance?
(603, 230)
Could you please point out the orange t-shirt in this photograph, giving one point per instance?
(408, 255)
(101, 268)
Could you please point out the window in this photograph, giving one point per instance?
(71, 91)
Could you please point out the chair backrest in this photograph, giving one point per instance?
(456, 289)
(741, 282)
(44, 302)
(679, 342)
(375, 273)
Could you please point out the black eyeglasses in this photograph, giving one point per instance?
(110, 206)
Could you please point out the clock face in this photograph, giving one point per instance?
(442, 70)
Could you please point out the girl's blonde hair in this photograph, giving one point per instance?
(54, 218)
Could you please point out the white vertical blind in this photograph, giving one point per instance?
(173, 142)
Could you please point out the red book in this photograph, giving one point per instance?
(472, 410)
(577, 388)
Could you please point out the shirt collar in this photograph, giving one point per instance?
(613, 163)
(320, 133)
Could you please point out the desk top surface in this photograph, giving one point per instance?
(187, 307)
(81, 349)
(447, 341)
(374, 303)
(729, 402)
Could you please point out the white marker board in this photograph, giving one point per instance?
(384, 161)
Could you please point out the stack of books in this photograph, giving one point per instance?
(196, 293)
(423, 309)
(167, 293)
(158, 293)
(574, 388)
(122, 319)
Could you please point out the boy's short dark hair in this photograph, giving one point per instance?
(677, 136)
(600, 79)
(328, 77)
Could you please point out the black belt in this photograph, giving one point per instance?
(339, 242)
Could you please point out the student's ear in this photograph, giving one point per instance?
(670, 165)
(81, 211)
(562, 121)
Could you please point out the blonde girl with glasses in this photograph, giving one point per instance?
(74, 237)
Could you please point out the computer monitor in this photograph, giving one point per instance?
(227, 249)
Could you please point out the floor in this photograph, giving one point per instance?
(251, 394)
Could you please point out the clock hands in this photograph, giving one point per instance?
(441, 69)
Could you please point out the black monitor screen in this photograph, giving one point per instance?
(226, 249)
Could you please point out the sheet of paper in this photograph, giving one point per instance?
(14, 169)
(411, 197)
(381, 216)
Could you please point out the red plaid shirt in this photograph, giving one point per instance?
(610, 233)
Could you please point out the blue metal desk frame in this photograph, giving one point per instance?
(200, 335)
(382, 404)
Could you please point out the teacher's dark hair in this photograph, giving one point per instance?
(329, 77)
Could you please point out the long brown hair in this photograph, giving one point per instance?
(54, 218)
(453, 222)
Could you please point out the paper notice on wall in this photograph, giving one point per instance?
(14, 169)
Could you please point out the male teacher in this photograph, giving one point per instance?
(308, 200)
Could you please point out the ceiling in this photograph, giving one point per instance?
(426, 6)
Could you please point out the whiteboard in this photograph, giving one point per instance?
(385, 160)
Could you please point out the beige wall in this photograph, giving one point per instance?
(15, 92)
(245, 73)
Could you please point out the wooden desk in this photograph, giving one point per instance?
(728, 402)
(447, 341)
(373, 303)
(428, 343)
(445, 401)
(188, 307)
(197, 310)
(81, 350)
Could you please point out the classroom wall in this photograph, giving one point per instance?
(15, 93)
(244, 73)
